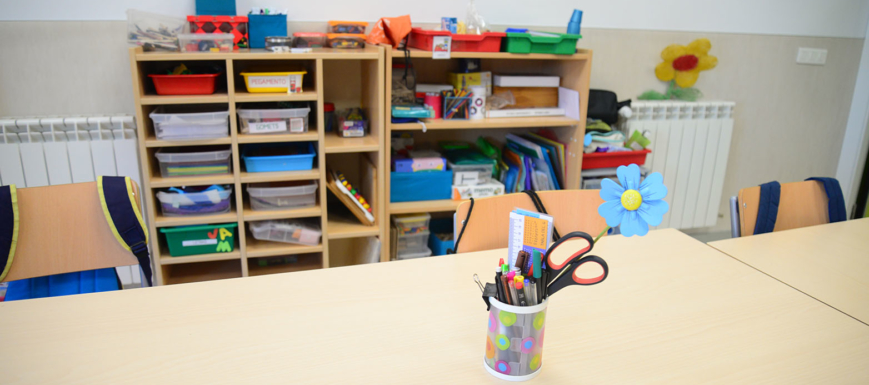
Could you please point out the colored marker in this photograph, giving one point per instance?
(520, 291)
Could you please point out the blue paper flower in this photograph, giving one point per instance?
(633, 205)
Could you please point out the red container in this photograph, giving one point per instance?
(184, 84)
(613, 159)
(487, 42)
(236, 25)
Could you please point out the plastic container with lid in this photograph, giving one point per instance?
(237, 26)
(200, 84)
(309, 40)
(287, 231)
(195, 201)
(274, 121)
(345, 40)
(411, 223)
(412, 242)
(205, 42)
(426, 252)
(172, 124)
(329, 116)
(193, 161)
(471, 174)
(278, 43)
(154, 32)
(285, 82)
(354, 27)
(613, 159)
(282, 195)
(279, 157)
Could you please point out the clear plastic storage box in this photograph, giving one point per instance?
(411, 243)
(193, 161)
(286, 231)
(274, 121)
(413, 255)
(154, 32)
(411, 223)
(172, 125)
(206, 42)
(471, 174)
(175, 204)
(282, 195)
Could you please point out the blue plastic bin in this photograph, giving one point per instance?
(262, 26)
(303, 160)
(215, 7)
(440, 226)
(420, 186)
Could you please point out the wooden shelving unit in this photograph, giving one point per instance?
(574, 70)
(347, 78)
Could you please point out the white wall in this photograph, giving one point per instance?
(827, 18)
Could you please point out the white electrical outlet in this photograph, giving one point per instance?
(814, 56)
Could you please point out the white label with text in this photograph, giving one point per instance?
(265, 127)
(199, 242)
(268, 82)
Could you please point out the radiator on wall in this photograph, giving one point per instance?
(690, 145)
(50, 151)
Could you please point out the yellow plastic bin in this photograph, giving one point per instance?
(287, 82)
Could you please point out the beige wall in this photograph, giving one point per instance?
(790, 119)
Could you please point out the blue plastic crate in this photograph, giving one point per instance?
(420, 186)
(303, 160)
(262, 26)
(215, 7)
(440, 226)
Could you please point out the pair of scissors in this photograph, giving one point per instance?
(564, 258)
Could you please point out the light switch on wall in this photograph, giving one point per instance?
(814, 56)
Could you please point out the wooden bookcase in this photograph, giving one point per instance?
(347, 78)
(574, 70)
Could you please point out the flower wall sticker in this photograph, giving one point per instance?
(633, 205)
(681, 67)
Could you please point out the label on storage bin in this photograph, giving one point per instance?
(297, 124)
(268, 82)
(264, 127)
(467, 178)
(308, 237)
(199, 242)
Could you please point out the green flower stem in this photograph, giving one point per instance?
(601, 234)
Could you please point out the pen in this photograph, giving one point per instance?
(506, 288)
(520, 291)
(498, 285)
(534, 292)
(515, 295)
(529, 296)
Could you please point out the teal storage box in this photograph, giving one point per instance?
(262, 26)
(558, 43)
(215, 7)
(441, 236)
(420, 186)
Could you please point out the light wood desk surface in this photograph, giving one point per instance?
(673, 310)
(828, 262)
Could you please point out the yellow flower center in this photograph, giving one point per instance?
(631, 200)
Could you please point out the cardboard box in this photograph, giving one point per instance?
(466, 80)
(491, 189)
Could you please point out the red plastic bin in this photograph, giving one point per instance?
(487, 42)
(613, 159)
(184, 84)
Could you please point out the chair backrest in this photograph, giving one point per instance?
(488, 228)
(62, 229)
(801, 204)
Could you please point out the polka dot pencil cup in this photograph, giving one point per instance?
(514, 340)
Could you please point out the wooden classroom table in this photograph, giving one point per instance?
(673, 310)
(828, 262)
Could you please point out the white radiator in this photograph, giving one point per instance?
(690, 144)
(49, 151)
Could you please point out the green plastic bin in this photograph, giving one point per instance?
(564, 44)
(201, 239)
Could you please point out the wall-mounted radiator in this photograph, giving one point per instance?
(49, 151)
(690, 144)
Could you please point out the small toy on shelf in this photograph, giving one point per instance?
(352, 123)
(350, 197)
